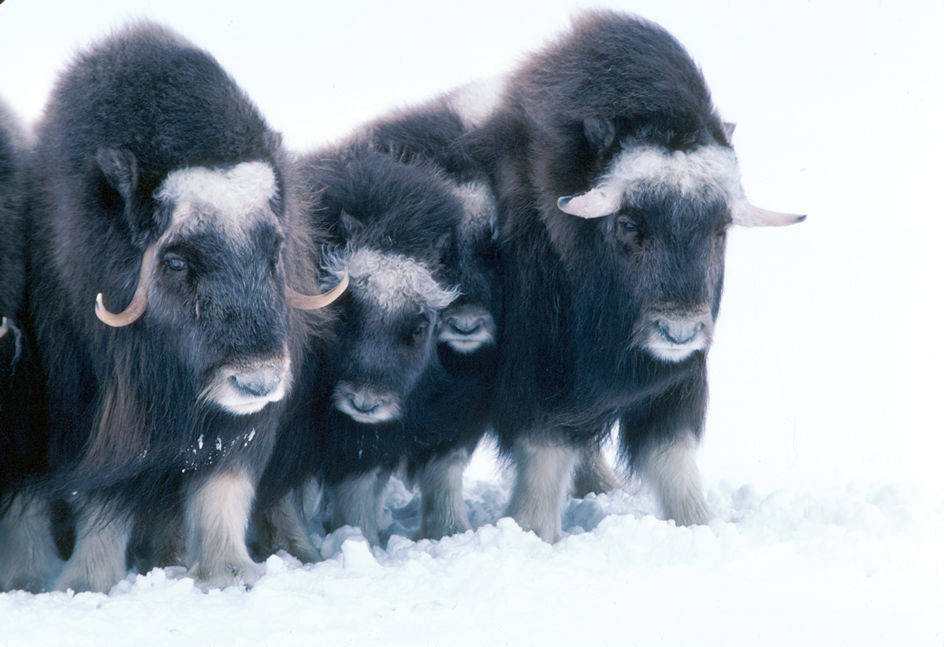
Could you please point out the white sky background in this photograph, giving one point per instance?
(827, 363)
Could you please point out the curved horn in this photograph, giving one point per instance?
(595, 203)
(138, 302)
(304, 302)
(747, 215)
(4, 327)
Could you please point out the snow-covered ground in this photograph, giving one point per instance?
(824, 439)
(857, 565)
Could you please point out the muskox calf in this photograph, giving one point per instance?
(348, 425)
(158, 187)
(617, 184)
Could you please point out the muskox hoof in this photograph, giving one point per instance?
(437, 527)
(305, 552)
(245, 574)
(693, 512)
(82, 577)
(33, 579)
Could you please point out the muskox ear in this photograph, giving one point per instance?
(120, 169)
(599, 132)
(350, 226)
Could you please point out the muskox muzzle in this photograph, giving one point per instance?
(467, 328)
(365, 404)
(248, 387)
(673, 334)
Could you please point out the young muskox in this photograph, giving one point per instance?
(448, 428)
(437, 131)
(159, 187)
(349, 423)
(616, 184)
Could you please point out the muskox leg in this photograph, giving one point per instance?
(669, 468)
(357, 502)
(544, 475)
(216, 517)
(99, 559)
(28, 557)
(441, 489)
(594, 474)
(281, 527)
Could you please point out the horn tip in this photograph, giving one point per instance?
(800, 218)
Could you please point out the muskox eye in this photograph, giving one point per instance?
(419, 331)
(626, 223)
(175, 263)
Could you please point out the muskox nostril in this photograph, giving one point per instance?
(466, 326)
(258, 384)
(364, 404)
(679, 332)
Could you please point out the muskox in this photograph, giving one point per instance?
(616, 184)
(18, 455)
(350, 421)
(440, 132)
(158, 187)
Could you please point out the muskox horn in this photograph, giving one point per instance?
(4, 327)
(304, 302)
(595, 203)
(747, 215)
(138, 302)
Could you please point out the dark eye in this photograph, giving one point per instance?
(625, 223)
(419, 331)
(174, 263)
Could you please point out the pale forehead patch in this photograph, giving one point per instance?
(478, 205)
(713, 169)
(476, 101)
(232, 199)
(388, 279)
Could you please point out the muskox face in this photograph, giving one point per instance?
(387, 332)
(469, 324)
(661, 219)
(211, 288)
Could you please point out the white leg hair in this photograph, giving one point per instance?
(441, 489)
(358, 503)
(286, 529)
(545, 472)
(670, 470)
(217, 514)
(594, 474)
(99, 559)
(310, 496)
(28, 557)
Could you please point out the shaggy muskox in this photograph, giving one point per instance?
(158, 187)
(351, 420)
(18, 454)
(616, 184)
(438, 131)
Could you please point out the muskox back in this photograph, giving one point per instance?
(164, 300)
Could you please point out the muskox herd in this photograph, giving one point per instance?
(205, 337)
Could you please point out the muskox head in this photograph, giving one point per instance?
(211, 288)
(658, 220)
(387, 331)
(470, 323)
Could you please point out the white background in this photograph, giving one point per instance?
(826, 373)
(827, 365)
